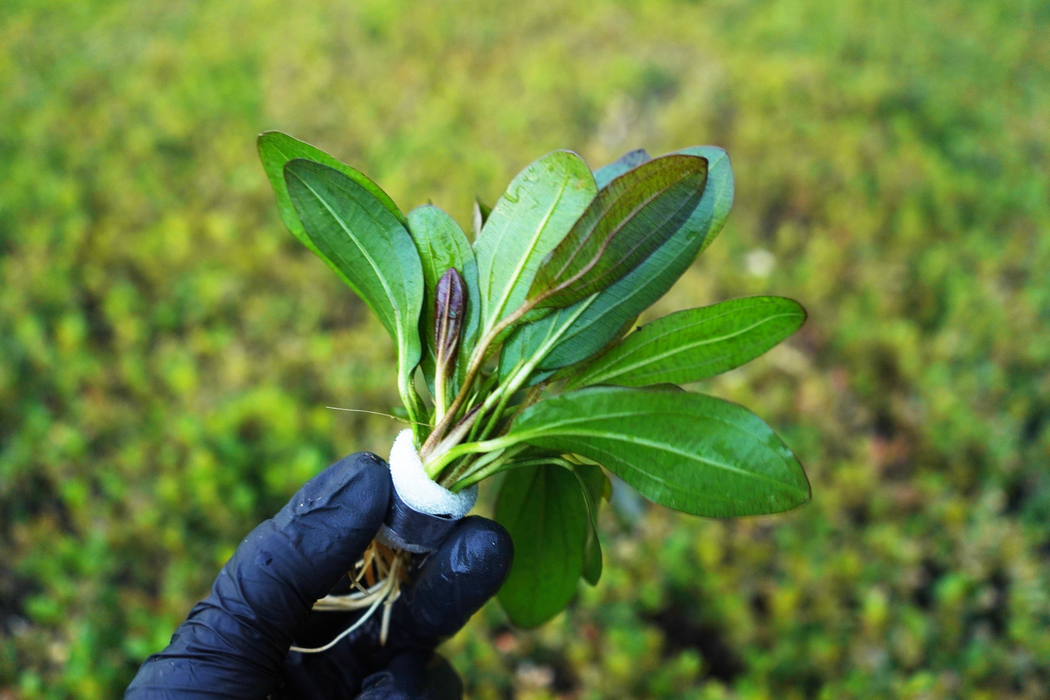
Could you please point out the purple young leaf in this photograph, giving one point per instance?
(450, 303)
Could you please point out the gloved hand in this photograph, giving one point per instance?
(234, 644)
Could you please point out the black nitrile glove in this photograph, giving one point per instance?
(234, 644)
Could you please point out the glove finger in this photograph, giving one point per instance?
(239, 635)
(414, 675)
(455, 582)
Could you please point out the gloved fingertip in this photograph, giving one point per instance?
(316, 538)
(483, 548)
(456, 581)
(351, 496)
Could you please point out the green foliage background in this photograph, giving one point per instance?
(167, 349)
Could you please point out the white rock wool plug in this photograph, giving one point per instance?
(417, 490)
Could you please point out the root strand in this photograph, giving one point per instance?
(383, 570)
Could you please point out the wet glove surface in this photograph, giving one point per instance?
(234, 644)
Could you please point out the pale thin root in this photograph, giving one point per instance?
(366, 567)
(348, 630)
(351, 601)
(390, 586)
(387, 607)
(337, 603)
(356, 574)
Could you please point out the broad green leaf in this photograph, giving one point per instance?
(693, 345)
(690, 452)
(628, 220)
(529, 220)
(363, 239)
(276, 149)
(595, 487)
(442, 245)
(543, 509)
(606, 174)
(608, 316)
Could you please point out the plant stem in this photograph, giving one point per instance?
(530, 398)
(483, 470)
(469, 464)
(523, 372)
(500, 397)
(456, 435)
(477, 359)
(413, 404)
(440, 392)
(506, 393)
(466, 448)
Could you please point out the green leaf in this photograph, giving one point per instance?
(442, 245)
(690, 452)
(628, 220)
(604, 175)
(693, 345)
(529, 220)
(276, 149)
(367, 244)
(595, 487)
(609, 314)
(543, 509)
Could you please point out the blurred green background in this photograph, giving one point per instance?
(167, 349)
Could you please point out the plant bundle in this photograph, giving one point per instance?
(523, 339)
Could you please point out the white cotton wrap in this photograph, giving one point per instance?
(420, 494)
(416, 488)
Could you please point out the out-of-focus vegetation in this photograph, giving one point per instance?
(167, 350)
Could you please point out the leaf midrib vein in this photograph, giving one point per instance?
(552, 428)
(372, 263)
(513, 279)
(617, 228)
(641, 345)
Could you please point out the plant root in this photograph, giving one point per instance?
(383, 571)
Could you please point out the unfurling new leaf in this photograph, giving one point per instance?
(450, 305)
(442, 245)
